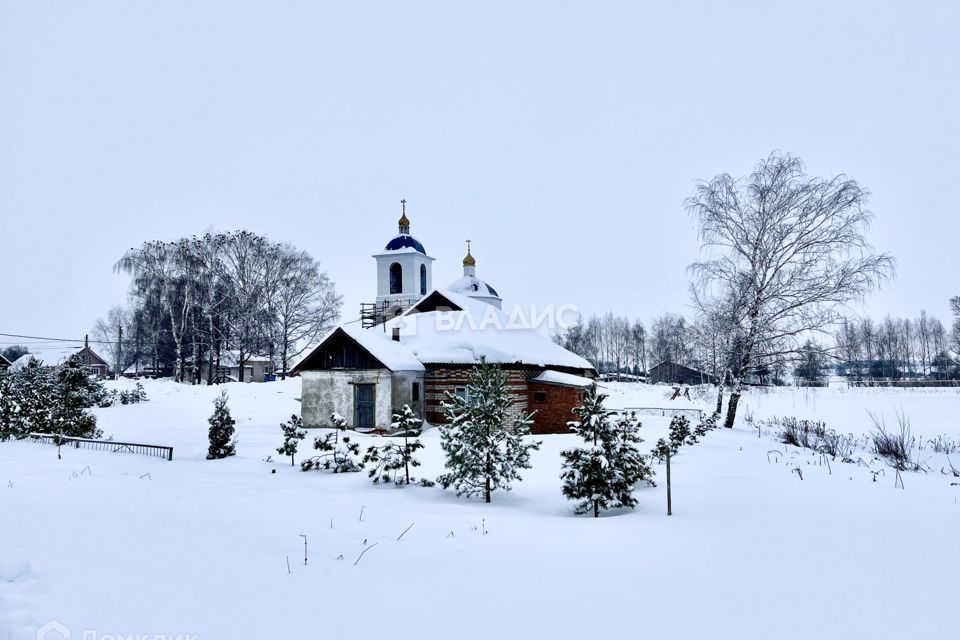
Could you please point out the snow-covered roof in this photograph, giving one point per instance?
(563, 379)
(232, 359)
(477, 332)
(394, 355)
(141, 367)
(48, 358)
(472, 286)
(471, 332)
(4, 361)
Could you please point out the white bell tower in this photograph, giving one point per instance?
(404, 270)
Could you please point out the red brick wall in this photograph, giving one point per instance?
(552, 414)
(438, 381)
(555, 411)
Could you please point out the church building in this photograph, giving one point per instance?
(416, 343)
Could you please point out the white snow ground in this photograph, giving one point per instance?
(118, 544)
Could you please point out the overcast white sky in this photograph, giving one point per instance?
(561, 138)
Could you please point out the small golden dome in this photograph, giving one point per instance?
(404, 221)
(469, 261)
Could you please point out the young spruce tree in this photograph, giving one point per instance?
(485, 449)
(293, 433)
(37, 391)
(76, 392)
(222, 441)
(603, 474)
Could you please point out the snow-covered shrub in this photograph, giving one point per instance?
(109, 399)
(133, 396)
(394, 457)
(894, 446)
(35, 398)
(223, 443)
(944, 444)
(337, 454)
(802, 433)
(12, 420)
(815, 436)
(293, 433)
(838, 445)
(705, 426)
(603, 474)
(484, 447)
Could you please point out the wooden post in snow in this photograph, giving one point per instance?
(669, 493)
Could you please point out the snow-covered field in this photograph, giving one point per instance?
(125, 545)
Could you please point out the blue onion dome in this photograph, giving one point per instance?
(405, 241)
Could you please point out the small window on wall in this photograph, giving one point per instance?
(416, 392)
(423, 280)
(540, 396)
(461, 392)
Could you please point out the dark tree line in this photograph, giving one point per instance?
(196, 299)
(612, 344)
(895, 348)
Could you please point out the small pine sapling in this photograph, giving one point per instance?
(485, 450)
(635, 467)
(603, 474)
(394, 457)
(223, 442)
(680, 433)
(293, 433)
(705, 426)
(337, 454)
(660, 450)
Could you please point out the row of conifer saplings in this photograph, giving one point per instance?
(486, 448)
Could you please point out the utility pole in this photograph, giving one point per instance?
(119, 348)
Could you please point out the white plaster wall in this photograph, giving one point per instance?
(326, 392)
(402, 391)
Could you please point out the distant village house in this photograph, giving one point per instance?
(56, 359)
(673, 373)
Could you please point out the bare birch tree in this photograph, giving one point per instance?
(790, 248)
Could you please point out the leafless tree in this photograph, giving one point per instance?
(304, 305)
(789, 247)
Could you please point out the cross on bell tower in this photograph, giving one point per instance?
(469, 263)
(404, 221)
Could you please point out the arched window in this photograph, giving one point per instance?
(423, 279)
(396, 278)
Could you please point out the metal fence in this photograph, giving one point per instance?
(154, 450)
(668, 412)
(904, 384)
